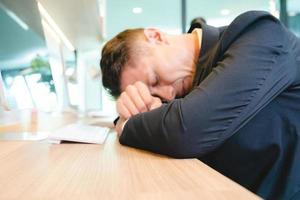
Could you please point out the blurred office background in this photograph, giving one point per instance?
(50, 49)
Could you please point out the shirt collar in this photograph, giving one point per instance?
(198, 32)
(210, 37)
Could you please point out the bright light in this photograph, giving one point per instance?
(222, 21)
(272, 8)
(50, 30)
(225, 12)
(21, 93)
(55, 27)
(102, 15)
(292, 13)
(137, 10)
(43, 98)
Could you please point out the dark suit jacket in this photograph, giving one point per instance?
(243, 115)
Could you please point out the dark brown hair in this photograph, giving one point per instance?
(115, 54)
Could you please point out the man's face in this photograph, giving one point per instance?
(163, 73)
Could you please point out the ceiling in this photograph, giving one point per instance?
(19, 46)
(79, 20)
(27, 11)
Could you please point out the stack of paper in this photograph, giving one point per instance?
(79, 133)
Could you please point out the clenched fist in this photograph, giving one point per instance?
(136, 99)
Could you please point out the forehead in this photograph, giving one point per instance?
(132, 74)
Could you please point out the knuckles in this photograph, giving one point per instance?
(139, 84)
(132, 91)
(129, 88)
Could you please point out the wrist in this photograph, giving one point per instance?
(120, 125)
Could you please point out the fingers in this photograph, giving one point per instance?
(130, 103)
(156, 103)
(144, 93)
(136, 99)
(122, 109)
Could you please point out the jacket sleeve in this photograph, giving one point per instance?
(255, 69)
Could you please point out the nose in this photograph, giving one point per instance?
(165, 93)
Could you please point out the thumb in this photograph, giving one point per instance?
(156, 103)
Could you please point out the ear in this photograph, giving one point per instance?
(154, 35)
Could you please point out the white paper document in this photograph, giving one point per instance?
(79, 133)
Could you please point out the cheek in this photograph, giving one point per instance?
(168, 73)
(166, 76)
(167, 70)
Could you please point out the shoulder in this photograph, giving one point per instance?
(252, 17)
(253, 26)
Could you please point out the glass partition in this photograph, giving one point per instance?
(293, 16)
(221, 13)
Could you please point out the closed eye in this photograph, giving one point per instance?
(156, 81)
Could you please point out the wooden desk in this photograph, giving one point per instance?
(38, 170)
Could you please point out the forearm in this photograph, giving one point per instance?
(160, 131)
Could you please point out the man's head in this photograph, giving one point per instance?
(115, 54)
(165, 63)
